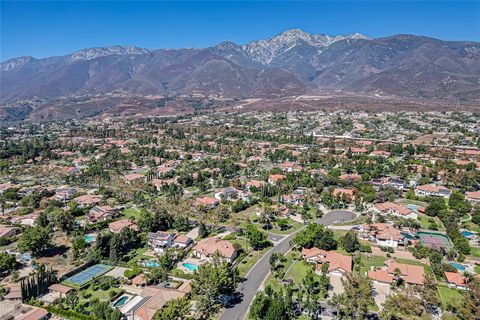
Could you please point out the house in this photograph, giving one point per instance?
(380, 276)
(379, 153)
(160, 241)
(227, 193)
(206, 202)
(33, 313)
(59, 290)
(100, 213)
(290, 167)
(347, 192)
(14, 292)
(350, 177)
(275, 178)
(409, 273)
(87, 200)
(150, 300)
(473, 197)
(118, 226)
(292, 199)
(9, 231)
(338, 264)
(382, 234)
(456, 280)
(432, 190)
(395, 210)
(64, 193)
(358, 151)
(205, 249)
(133, 178)
(389, 182)
(140, 281)
(254, 183)
(181, 241)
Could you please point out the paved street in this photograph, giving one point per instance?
(260, 271)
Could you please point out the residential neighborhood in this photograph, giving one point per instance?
(241, 215)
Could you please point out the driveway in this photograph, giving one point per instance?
(381, 291)
(261, 269)
(336, 283)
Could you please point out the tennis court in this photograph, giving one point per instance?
(85, 276)
(435, 240)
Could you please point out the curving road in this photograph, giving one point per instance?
(261, 269)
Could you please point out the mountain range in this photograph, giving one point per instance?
(292, 63)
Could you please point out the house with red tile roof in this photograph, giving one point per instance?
(33, 313)
(341, 191)
(207, 202)
(337, 263)
(275, 178)
(100, 213)
(88, 200)
(380, 276)
(119, 225)
(382, 234)
(395, 209)
(456, 280)
(473, 197)
(255, 183)
(432, 190)
(409, 273)
(205, 249)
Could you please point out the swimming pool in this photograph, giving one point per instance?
(412, 207)
(121, 301)
(467, 234)
(457, 266)
(151, 264)
(190, 266)
(89, 238)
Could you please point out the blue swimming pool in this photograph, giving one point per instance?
(190, 266)
(457, 266)
(89, 238)
(151, 264)
(121, 301)
(467, 234)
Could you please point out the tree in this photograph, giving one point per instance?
(37, 240)
(435, 207)
(404, 305)
(202, 230)
(174, 309)
(357, 296)
(276, 260)
(8, 262)
(63, 220)
(256, 238)
(211, 281)
(350, 242)
(471, 308)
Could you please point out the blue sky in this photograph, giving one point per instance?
(43, 29)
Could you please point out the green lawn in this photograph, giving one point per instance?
(247, 263)
(367, 262)
(475, 252)
(102, 295)
(131, 213)
(477, 269)
(299, 271)
(425, 222)
(449, 297)
(275, 282)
